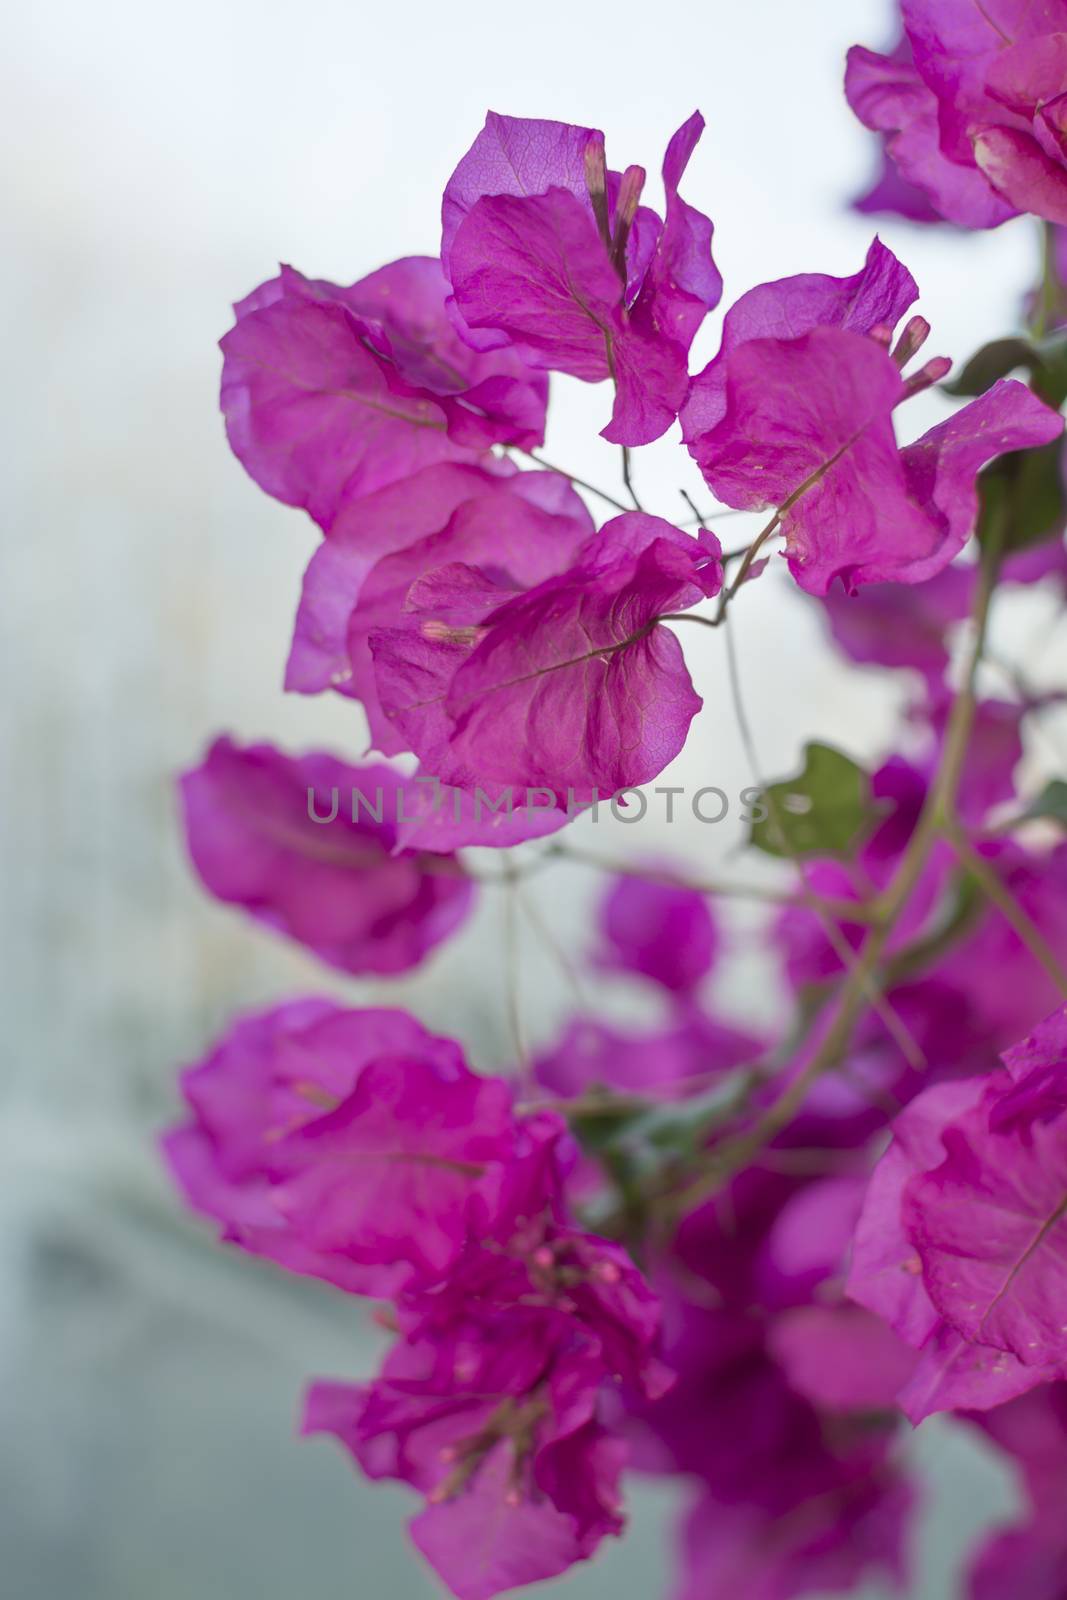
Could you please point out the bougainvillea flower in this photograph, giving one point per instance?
(548, 250)
(358, 578)
(973, 107)
(851, 1530)
(490, 1404)
(308, 846)
(330, 393)
(902, 625)
(529, 507)
(504, 531)
(808, 1240)
(892, 195)
(1005, 985)
(875, 297)
(664, 1063)
(920, 182)
(367, 528)
(1042, 1050)
(574, 687)
(405, 1168)
(854, 506)
(841, 1358)
(988, 1221)
(660, 930)
(901, 1268)
(351, 1145)
(1030, 1558)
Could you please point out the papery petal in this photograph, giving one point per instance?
(856, 508)
(403, 1167)
(1019, 169)
(886, 1271)
(1045, 1047)
(651, 379)
(441, 818)
(660, 930)
(311, 412)
(902, 625)
(682, 283)
(535, 268)
(331, 392)
(365, 529)
(332, 880)
(809, 421)
(988, 1225)
(941, 467)
(876, 296)
(892, 195)
(570, 688)
(515, 156)
(842, 1358)
(888, 96)
(501, 531)
(953, 1374)
(489, 1539)
(272, 1074)
(576, 688)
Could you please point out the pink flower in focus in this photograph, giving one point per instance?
(331, 393)
(550, 252)
(351, 1145)
(493, 1403)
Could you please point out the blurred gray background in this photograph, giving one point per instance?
(160, 160)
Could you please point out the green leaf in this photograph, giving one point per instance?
(993, 362)
(1051, 803)
(825, 810)
(1021, 498)
(1044, 361)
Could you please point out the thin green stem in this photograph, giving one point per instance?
(573, 478)
(809, 898)
(845, 910)
(731, 1155)
(1049, 289)
(746, 564)
(628, 479)
(999, 895)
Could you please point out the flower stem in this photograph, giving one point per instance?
(999, 895)
(573, 478)
(731, 1155)
(628, 480)
(854, 911)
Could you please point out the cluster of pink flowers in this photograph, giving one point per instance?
(842, 1228)
(358, 1148)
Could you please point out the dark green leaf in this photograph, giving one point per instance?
(1021, 498)
(1051, 803)
(825, 810)
(1045, 362)
(993, 362)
